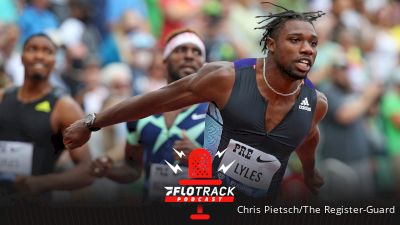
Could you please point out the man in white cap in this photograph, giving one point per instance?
(157, 136)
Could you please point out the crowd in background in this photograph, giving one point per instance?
(111, 49)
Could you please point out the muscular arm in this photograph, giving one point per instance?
(65, 112)
(353, 110)
(210, 83)
(213, 82)
(306, 151)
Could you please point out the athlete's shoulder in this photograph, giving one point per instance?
(213, 82)
(321, 96)
(219, 67)
(66, 105)
(8, 91)
(245, 62)
(322, 106)
(213, 75)
(66, 100)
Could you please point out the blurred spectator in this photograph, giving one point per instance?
(142, 46)
(356, 70)
(296, 5)
(36, 18)
(179, 14)
(323, 5)
(116, 47)
(78, 32)
(243, 29)
(98, 17)
(391, 115)
(70, 69)
(60, 8)
(117, 77)
(156, 75)
(395, 30)
(80, 40)
(346, 168)
(9, 54)
(93, 94)
(115, 9)
(220, 46)
(328, 50)
(156, 17)
(384, 55)
(8, 11)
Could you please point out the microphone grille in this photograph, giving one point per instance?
(200, 164)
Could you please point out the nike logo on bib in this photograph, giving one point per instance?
(196, 116)
(252, 167)
(258, 159)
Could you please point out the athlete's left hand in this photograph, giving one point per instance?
(186, 146)
(314, 181)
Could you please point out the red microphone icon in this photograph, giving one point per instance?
(200, 187)
(200, 172)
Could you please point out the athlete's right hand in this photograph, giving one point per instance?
(314, 181)
(76, 134)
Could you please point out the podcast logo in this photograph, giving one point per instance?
(200, 187)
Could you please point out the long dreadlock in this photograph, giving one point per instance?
(278, 19)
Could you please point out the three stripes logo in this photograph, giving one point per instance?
(304, 105)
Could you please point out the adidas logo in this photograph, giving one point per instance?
(43, 107)
(304, 105)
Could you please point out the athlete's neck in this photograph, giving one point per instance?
(278, 80)
(31, 91)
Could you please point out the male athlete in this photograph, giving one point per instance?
(266, 108)
(156, 136)
(32, 118)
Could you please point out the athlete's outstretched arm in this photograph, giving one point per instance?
(213, 82)
(306, 151)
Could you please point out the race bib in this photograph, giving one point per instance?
(16, 157)
(251, 166)
(161, 176)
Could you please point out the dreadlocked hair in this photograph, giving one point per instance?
(278, 19)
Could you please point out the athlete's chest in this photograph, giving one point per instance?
(276, 111)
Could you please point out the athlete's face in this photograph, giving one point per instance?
(295, 48)
(184, 60)
(38, 58)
